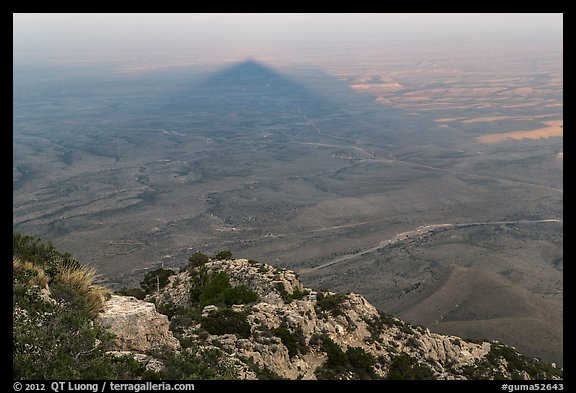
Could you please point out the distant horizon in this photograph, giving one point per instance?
(132, 37)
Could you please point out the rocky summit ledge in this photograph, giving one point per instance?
(293, 332)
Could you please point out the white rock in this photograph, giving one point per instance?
(137, 325)
(209, 309)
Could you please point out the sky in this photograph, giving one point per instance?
(46, 36)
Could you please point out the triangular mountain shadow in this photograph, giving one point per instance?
(251, 74)
(250, 87)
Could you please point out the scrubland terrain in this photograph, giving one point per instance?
(303, 166)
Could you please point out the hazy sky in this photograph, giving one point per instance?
(46, 35)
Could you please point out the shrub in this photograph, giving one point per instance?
(299, 295)
(182, 318)
(413, 342)
(156, 279)
(360, 360)
(289, 297)
(30, 248)
(240, 294)
(198, 259)
(216, 289)
(226, 321)
(456, 341)
(336, 357)
(138, 293)
(354, 363)
(406, 328)
(263, 373)
(213, 292)
(375, 326)
(404, 367)
(192, 365)
(54, 338)
(78, 278)
(379, 322)
(330, 303)
(324, 373)
(198, 280)
(288, 339)
(223, 255)
(516, 363)
(301, 340)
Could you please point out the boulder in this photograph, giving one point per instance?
(137, 325)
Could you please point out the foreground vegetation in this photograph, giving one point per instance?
(54, 303)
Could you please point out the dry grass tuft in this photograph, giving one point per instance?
(80, 279)
(39, 277)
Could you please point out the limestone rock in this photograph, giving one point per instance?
(209, 309)
(177, 291)
(137, 325)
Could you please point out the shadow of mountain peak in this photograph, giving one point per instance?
(248, 71)
(249, 86)
(254, 75)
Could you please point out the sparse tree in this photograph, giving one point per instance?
(224, 255)
(198, 259)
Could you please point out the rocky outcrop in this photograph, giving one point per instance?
(288, 323)
(294, 332)
(270, 283)
(137, 325)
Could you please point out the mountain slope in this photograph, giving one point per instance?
(299, 333)
(225, 319)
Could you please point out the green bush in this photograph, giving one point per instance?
(30, 248)
(240, 294)
(336, 357)
(355, 363)
(299, 295)
(329, 303)
(376, 324)
(192, 365)
(213, 292)
(289, 297)
(301, 340)
(198, 280)
(57, 339)
(223, 255)
(288, 339)
(138, 293)
(324, 373)
(226, 321)
(169, 309)
(217, 290)
(360, 360)
(183, 318)
(156, 278)
(404, 367)
(197, 259)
